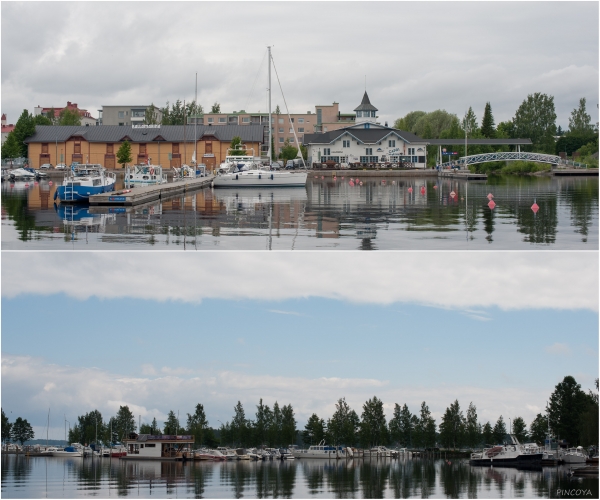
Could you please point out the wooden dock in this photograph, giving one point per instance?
(462, 174)
(146, 194)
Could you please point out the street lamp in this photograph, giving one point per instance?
(220, 433)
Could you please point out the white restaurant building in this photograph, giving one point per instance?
(366, 142)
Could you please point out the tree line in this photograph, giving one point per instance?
(535, 119)
(571, 414)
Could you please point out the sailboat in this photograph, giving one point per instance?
(235, 173)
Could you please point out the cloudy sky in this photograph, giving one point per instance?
(89, 330)
(415, 56)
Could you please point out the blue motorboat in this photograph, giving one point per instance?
(83, 181)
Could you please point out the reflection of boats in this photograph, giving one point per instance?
(83, 181)
(512, 454)
(144, 174)
(248, 198)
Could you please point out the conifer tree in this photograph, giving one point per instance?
(487, 123)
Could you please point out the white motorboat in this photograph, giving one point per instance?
(144, 174)
(573, 455)
(228, 453)
(68, 451)
(322, 450)
(26, 174)
(511, 454)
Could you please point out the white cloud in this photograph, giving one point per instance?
(559, 349)
(508, 280)
(291, 313)
(80, 390)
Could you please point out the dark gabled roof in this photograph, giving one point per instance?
(167, 133)
(366, 105)
(364, 135)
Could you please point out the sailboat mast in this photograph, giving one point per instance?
(196, 122)
(269, 88)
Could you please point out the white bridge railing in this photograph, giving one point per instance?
(509, 156)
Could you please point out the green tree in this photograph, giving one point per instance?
(24, 128)
(344, 424)
(519, 429)
(536, 119)
(406, 426)
(124, 154)
(216, 108)
(239, 424)
(274, 431)
(580, 123)
(69, 117)
(539, 429)
(172, 426)
(565, 407)
(487, 123)
(395, 424)
(408, 122)
(588, 423)
(288, 152)
(260, 423)
(51, 115)
(193, 109)
(151, 115)
(6, 427)
(197, 424)
(472, 433)
(87, 427)
(233, 147)
(277, 110)
(469, 122)
(288, 425)
(373, 427)
(11, 148)
(42, 120)
(314, 430)
(487, 433)
(506, 130)
(21, 431)
(154, 430)
(452, 426)
(499, 431)
(124, 422)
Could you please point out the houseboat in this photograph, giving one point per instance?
(162, 447)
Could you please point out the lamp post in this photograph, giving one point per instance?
(221, 433)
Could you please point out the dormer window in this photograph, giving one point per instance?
(359, 114)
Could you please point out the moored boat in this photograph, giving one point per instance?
(68, 451)
(322, 450)
(83, 181)
(510, 454)
(144, 174)
(573, 456)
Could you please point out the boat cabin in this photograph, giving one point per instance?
(162, 446)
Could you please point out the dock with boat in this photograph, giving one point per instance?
(145, 194)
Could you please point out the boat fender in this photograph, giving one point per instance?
(271, 176)
(55, 194)
(236, 177)
(151, 170)
(259, 176)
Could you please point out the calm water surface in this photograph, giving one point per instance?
(70, 478)
(382, 214)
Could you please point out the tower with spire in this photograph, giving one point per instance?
(366, 112)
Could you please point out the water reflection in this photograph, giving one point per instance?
(418, 213)
(37, 477)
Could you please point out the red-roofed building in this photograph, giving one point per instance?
(86, 118)
(6, 129)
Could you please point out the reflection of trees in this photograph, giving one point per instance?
(314, 472)
(237, 475)
(400, 481)
(540, 227)
(373, 477)
(342, 479)
(581, 195)
(15, 205)
(199, 475)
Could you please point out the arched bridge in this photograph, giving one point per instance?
(503, 156)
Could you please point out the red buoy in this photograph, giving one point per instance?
(422, 189)
(410, 189)
(50, 183)
(535, 207)
(491, 204)
(490, 196)
(434, 187)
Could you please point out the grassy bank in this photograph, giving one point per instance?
(510, 168)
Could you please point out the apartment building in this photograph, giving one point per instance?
(86, 117)
(126, 115)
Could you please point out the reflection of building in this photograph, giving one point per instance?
(164, 145)
(85, 116)
(366, 142)
(152, 447)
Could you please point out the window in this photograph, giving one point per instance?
(291, 120)
(211, 120)
(367, 125)
(411, 151)
(45, 148)
(280, 120)
(359, 114)
(369, 159)
(346, 144)
(153, 445)
(208, 147)
(291, 130)
(121, 123)
(300, 120)
(291, 139)
(121, 114)
(391, 144)
(246, 119)
(109, 148)
(324, 129)
(372, 114)
(77, 147)
(300, 129)
(281, 139)
(368, 151)
(281, 130)
(222, 119)
(175, 148)
(326, 151)
(142, 149)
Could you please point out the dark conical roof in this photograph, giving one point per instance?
(366, 105)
